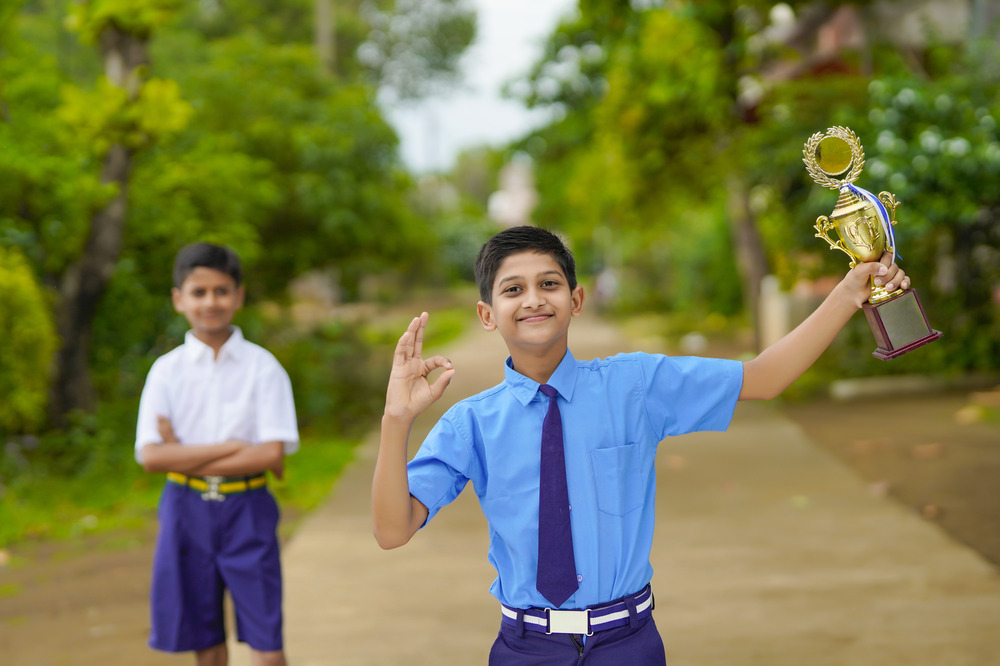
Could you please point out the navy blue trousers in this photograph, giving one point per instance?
(638, 643)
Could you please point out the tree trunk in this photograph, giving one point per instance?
(326, 39)
(85, 280)
(751, 261)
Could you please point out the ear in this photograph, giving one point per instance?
(240, 296)
(175, 296)
(577, 301)
(485, 312)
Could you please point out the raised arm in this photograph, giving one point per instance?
(396, 514)
(774, 370)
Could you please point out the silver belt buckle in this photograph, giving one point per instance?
(568, 622)
(212, 493)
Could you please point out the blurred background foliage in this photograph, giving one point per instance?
(242, 122)
(677, 155)
(673, 163)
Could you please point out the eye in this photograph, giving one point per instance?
(198, 293)
(512, 289)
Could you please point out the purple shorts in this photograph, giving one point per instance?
(205, 547)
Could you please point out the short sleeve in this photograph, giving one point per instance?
(439, 471)
(152, 403)
(275, 406)
(690, 394)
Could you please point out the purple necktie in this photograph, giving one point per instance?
(556, 566)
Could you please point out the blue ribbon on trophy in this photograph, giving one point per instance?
(883, 214)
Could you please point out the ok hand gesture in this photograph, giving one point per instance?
(409, 392)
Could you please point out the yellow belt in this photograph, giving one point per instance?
(218, 484)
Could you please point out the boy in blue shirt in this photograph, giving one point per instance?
(613, 414)
(216, 414)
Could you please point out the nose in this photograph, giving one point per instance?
(533, 298)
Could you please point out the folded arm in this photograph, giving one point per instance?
(173, 457)
(248, 460)
(230, 458)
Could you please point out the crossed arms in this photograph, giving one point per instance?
(230, 458)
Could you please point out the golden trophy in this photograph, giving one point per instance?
(863, 223)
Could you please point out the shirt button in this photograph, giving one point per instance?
(570, 507)
(579, 578)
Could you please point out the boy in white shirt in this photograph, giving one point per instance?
(216, 414)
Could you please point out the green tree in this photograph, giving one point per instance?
(289, 162)
(123, 114)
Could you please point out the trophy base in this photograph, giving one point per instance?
(899, 325)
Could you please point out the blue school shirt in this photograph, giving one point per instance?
(614, 411)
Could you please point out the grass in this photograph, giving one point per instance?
(310, 475)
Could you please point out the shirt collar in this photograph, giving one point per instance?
(562, 380)
(198, 351)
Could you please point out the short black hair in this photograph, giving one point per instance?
(514, 240)
(206, 255)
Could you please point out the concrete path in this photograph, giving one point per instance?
(768, 552)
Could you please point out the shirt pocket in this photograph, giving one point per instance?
(620, 479)
(237, 423)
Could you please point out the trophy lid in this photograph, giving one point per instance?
(850, 201)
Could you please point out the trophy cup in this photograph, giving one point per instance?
(863, 223)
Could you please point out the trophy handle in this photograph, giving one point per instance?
(888, 199)
(823, 227)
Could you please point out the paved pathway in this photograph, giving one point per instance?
(768, 552)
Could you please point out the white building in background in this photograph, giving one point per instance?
(513, 203)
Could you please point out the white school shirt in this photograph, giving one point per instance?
(243, 394)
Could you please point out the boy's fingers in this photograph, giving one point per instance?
(421, 323)
(883, 273)
(892, 276)
(404, 348)
(871, 268)
(165, 429)
(401, 346)
(412, 331)
(435, 362)
(898, 281)
(441, 383)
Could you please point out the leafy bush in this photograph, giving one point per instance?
(29, 340)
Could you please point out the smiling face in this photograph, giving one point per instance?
(208, 299)
(532, 305)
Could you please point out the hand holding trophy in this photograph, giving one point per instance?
(863, 223)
